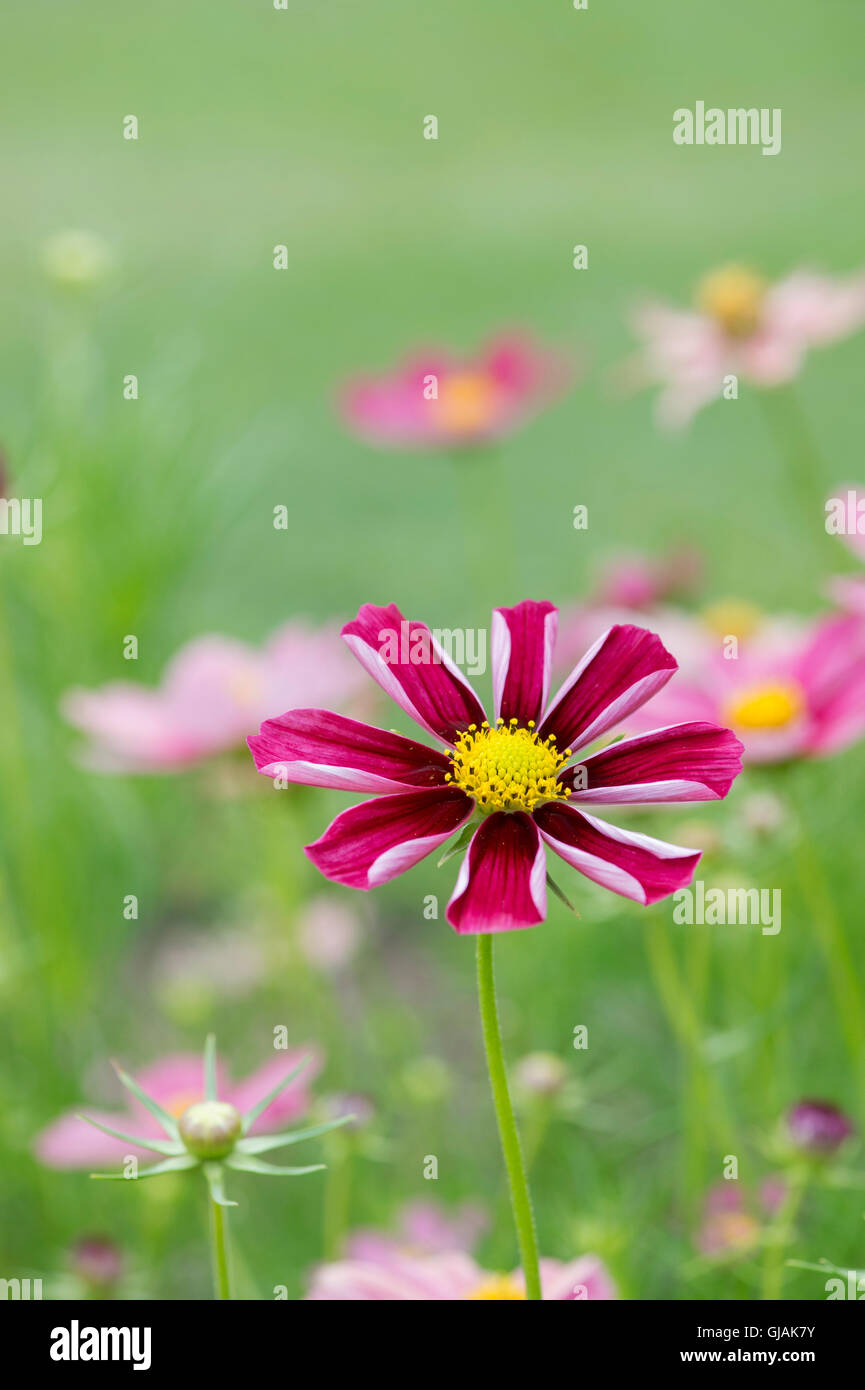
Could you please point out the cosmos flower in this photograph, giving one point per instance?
(640, 582)
(818, 1128)
(510, 785)
(176, 1083)
(212, 693)
(792, 690)
(454, 1276)
(424, 1228)
(733, 1222)
(846, 518)
(438, 401)
(742, 325)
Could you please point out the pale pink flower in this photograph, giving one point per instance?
(640, 582)
(742, 326)
(176, 1082)
(440, 401)
(214, 691)
(328, 933)
(455, 1277)
(424, 1228)
(733, 1219)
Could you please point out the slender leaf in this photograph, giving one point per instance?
(245, 1163)
(210, 1067)
(169, 1124)
(261, 1143)
(171, 1165)
(551, 883)
(252, 1115)
(159, 1146)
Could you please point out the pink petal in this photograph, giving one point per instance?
(321, 749)
(414, 670)
(71, 1142)
(636, 866)
(403, 1278)
(624, 669)
(373, 843)
(522, 644)
(586, 1278)
(502, 880)
(817, 309)
(686, 762)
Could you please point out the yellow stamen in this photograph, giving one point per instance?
(180, 1102)
(466, 401)
(498, 1288)
(765, 707)
(507, 768)
(734, 297)
(732, 617)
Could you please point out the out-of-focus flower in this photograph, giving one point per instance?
(354, 1110)
(743, 326)
(640, 582)
(454, 1276)
(176, 1083)
(540, 1074)
(191, 966)
(733, 1221)
(818, 1128)
(436, 400)
(846, 518)
(511, 785)
(97, 1261)
(424, 1228)
(763, 813)
(76, 258)
(791, 690)
(212, 693)
(328, 933)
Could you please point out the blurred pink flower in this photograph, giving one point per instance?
(639, 582)
(176, 1082)
(436, 400)
(846, 518)
(795, 689)
(424, 1228)
(745, 327)
(454, 1277)
(732, 1220)
(214, 691)
(328, 933)
(818, 1127)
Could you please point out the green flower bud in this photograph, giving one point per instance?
(210, 1128)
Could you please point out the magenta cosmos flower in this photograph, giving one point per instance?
(213, 692)
(742, 325)
(176, 1083)
(438, 401)
(455, 1277)
(845, 517)
(794, 690)
(514, 778)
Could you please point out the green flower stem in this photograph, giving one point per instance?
(337, 1198)
(779, 1234)
(521, 1201)
(219, 1251)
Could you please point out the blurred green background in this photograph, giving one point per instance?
(304, 127)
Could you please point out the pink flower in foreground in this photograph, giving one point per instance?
(743, 326)
(425, 1228)
(515, 779)
(440, 401)
(845, 517)
(455, 1277)
(176, 1083)
(795, 690)
(212, 693)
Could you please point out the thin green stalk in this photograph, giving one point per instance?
(779, 1234)
(219, 1251)
(521, 1202)
(337, 1193)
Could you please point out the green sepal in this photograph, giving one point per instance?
(169, 1124)
(459, 844)
(210, 1067)
(261, 1143)
(171, 1165)
(252, 1115)
(245, 1163)
(213, 1174)
(551, 883)
(158, 1146)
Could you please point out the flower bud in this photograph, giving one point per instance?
(210, 1128)
(818, 1128)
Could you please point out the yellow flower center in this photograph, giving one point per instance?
(180, 1102)
(507, 768)
(765, 707)
(732, 617)
(466, 400)
(734, 298)
(498, 1288)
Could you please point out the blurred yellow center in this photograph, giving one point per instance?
(181, 1101)
(732, 617)
(765, 707)
(507, 768)
(733, 297)
(466, 401)
(498, 1288)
